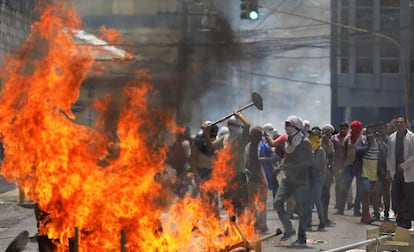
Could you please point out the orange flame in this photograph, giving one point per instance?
(72, 172)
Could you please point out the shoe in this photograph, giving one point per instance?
(376, 217)
(357, 214)
(350, 206)
(321, 227)
(262, 228)
(298, 243)
(286, 235)
(367, 219)
(386, 216)
(330, 223)
(339, 212)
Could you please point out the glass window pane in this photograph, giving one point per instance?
(364, 3)
(344, 16)
(364, 18)
(390, 66)
(364, 66)
(387, 49)
(412, 66)
(390, 3)
(344, 65)
(344, 3)
(364, 46)
(390, 21)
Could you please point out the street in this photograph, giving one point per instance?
(15, 219)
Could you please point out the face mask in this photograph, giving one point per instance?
(290, 130)
(315, 142)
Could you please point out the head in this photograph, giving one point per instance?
(306, 125)
(256, 135)
(400, 123)
(268, 129)
(293, 125)
(213, 129)
(356, 127)
(235, 126)
(314, 137)
(343, 129)
(328, 130)
(371, 131)
(224, 130)
(381, 129)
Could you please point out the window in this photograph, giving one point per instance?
(364, 65)
(390, 3)
(390, 22)
(344, 65)
(364, 18)
(390, 66)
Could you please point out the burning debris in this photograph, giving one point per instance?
(60, 163)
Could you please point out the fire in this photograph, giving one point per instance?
(79, 175)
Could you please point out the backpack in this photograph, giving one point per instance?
(176, 155)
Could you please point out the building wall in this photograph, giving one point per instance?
(15, 19)
(369, 68)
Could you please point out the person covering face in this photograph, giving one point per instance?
(293, 128)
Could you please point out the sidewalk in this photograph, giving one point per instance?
(15, 219)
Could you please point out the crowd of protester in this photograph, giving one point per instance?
(300, 166)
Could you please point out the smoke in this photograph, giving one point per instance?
(284, 58)
(212, 68)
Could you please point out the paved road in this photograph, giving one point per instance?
(14, 219)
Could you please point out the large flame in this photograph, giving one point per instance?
(71, 170)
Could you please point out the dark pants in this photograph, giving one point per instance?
(404, 200)
(286, 190)
(237, 193)
(326, 192)
(349, 173)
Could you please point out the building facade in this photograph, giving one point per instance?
(16, 17)
(371, 60)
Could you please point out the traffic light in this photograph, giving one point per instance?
(249, 9)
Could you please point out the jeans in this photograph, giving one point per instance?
(285, 190)
(326, 192)
(348, 175)
(315, 199)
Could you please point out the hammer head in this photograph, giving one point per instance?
(257, 100)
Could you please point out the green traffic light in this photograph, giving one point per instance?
(253, 15)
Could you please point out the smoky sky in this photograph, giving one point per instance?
(285, 59)
(222, 59)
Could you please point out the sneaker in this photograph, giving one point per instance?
(376, 217)
(386, 216)
(367, 219)
(286, 235)
(298, 243)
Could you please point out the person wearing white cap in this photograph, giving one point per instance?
(296, 164)
(306, 127)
